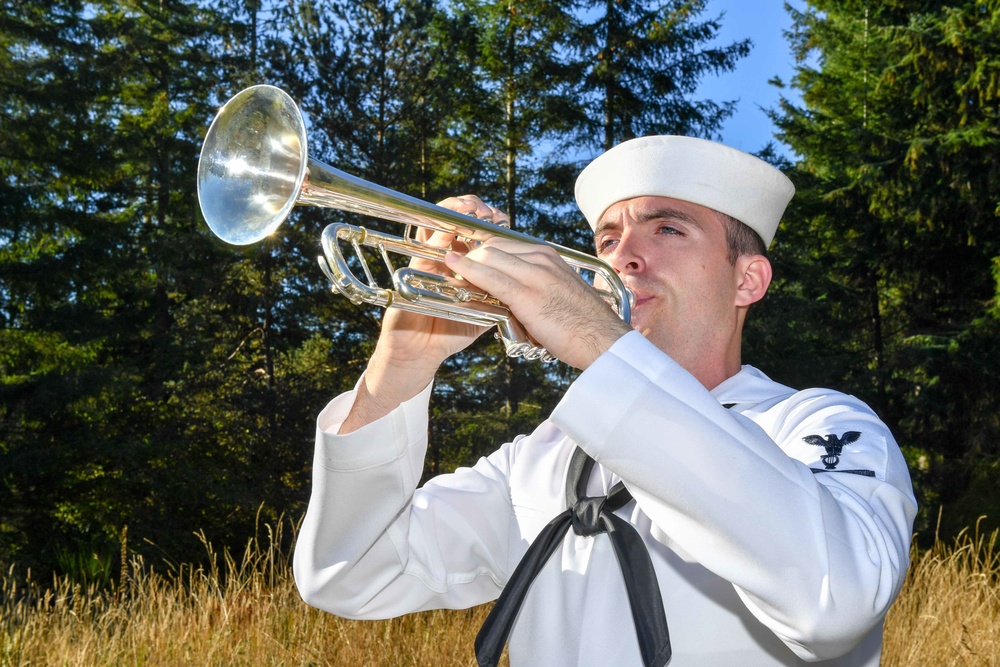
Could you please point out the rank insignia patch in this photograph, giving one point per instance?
(834, 446)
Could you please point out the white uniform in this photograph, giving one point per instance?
(768, 548)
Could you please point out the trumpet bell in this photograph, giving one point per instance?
(253, 164)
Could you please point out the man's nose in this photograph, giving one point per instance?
(627, 256)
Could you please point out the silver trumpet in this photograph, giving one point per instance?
(254, 168)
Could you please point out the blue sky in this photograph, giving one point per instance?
(763, 21)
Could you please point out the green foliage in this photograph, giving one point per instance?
(894, 224)
(641, 63)
(100, 265)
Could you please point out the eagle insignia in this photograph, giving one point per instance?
(834, 445)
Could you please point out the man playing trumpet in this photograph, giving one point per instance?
(676, 506)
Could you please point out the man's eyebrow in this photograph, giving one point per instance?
(605, 224)
(657, 213)
(667, 213)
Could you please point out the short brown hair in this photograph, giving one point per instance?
(741, 239)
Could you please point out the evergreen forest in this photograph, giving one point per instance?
(159, 383)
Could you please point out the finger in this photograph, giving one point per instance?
(443, 240)
(477, 208)
(467, 204)
(485, 277)
(529, 251)
(435, 237)
(508, 272)
(500, 218)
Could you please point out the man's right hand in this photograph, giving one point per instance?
(411, 346)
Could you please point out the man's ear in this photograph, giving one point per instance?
(753, 275)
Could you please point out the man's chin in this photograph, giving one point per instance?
(641, 321)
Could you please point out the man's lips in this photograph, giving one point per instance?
(640, 298)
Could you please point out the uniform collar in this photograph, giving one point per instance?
(750, 387)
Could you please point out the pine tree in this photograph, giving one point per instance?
(643, 62)
(897, 189)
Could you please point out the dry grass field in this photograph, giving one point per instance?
(948, 613)
(246, 611)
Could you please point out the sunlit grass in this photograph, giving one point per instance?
(949, 610)
(246, 611)
(242, 611)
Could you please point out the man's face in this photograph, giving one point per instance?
(674, 257)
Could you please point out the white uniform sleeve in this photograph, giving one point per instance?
(817, 557)
(374, 546)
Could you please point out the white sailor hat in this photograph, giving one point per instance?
(693, 170)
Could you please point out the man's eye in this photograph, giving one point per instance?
(605, 244)
(667, 229)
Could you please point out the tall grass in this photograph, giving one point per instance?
(948, 613)
(246, 611)
(232, 612)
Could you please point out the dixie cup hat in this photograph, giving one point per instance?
(693, 170)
